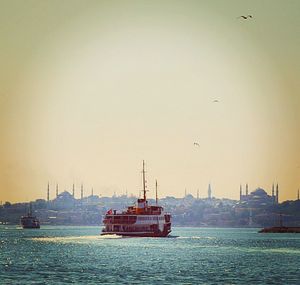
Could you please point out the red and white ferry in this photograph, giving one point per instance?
(140, 220)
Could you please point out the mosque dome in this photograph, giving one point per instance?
(65, 196)
(259, 192)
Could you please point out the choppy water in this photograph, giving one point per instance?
(78, 255)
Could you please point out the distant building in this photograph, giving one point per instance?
(64, 200)
(92, 199)
(259, 196)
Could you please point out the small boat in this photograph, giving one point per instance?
(29, 221)
(294, 230)
(140, 220)
(281, 228)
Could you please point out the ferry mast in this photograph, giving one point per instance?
(144, 181)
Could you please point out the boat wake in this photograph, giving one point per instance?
(195, 237)
(111, 237)
(75, 239)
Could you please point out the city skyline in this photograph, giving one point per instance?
(81, 192)
(90, 89)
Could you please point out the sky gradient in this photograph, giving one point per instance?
(88, 89)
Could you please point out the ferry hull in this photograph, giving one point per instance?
(31, 227)
(138, 234)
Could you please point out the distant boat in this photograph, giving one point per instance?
(294, 230)
(281, 228)
(140, 220)
(29, 221)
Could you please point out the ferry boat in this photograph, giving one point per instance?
(29, 221)
(140, 220)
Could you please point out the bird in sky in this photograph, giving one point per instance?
(245, 17)
(196, 144)
(216, 101)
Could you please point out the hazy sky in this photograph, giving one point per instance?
(88, 89)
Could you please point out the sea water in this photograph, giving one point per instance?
(79, 255)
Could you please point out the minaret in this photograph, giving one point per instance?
(209, 191)
(48, 193)
(241, 192)
(81, 192)
(197, 194)
(184, 192)
(277, 194)
(156, 197)
(73, 191)
(298, 195)
(247, 189)
(273, 197)
(56, 190)
(92, 191)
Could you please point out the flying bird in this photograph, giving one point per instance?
(216, 101)
(196, 144)
(245, 17)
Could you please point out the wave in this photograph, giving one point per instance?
(75, 239)
(272, 250)
(195, 237)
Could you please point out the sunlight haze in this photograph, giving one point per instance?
(89, 89)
